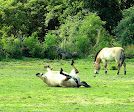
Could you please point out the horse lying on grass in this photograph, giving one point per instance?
(61, 78)
(106, 54)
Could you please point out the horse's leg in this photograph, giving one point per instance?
(67, 76)
(105, 66)
(119, 66)
(124, 64)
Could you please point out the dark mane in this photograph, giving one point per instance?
(97, 55)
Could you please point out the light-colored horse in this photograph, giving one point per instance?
(61, 78)
(106, 54)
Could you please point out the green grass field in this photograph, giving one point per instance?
(22, 91)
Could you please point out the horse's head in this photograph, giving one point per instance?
(48, 67)
(41, 76)
(97, 61)
(97, 67)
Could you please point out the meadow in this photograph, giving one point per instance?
(22, 91)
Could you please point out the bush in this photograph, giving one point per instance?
(33, 46)
(103, 40)
(93, 35)
(82, 35)
(50, 46)
(125, 29)
(51, 53)
(2, 53)
(12, 47)
(67, 33)
(50, 40)
(129, 50)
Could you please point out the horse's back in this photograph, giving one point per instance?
(117, 51)
(111, 53)
(113, 49)
(106, 54)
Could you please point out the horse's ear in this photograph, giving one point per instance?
(47, 66)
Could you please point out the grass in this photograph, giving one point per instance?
(22, 91)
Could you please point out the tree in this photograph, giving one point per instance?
(108, 10)
(82, 34)
(125, 29)
(125, 4)
(24, 18)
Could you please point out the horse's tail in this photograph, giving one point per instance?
(122, 56)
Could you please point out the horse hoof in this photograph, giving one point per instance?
(105, 72)
(37, 74)
(96, 73)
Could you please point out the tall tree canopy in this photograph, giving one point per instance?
(73, 23)
(125, 29)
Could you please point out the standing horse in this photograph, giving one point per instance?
(106, 54)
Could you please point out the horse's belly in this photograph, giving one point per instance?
(109, 58)
(55, 80)
(52, 83)
(69, 83)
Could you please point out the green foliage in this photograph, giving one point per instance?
(125, 29)
(93, 33)
(2, 53)
(78, 24)
(20, 16)
(50, 46)
(129, 50)
(103, 40)
(125, 4)
(62, 9)
(68, 32)
(33, 45)
(82, 34)
(50, 40)
(12, 47)
(88, 31)
(108, 10)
